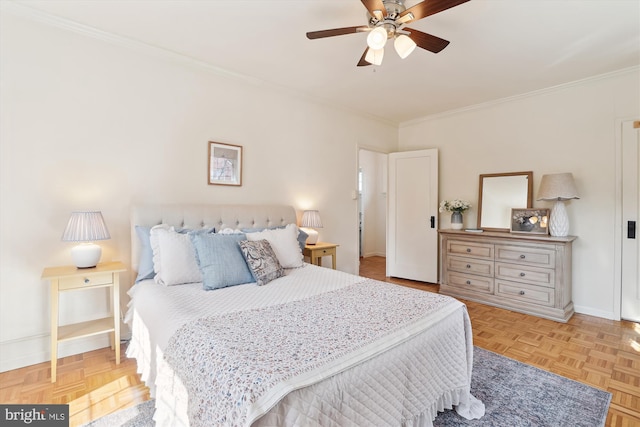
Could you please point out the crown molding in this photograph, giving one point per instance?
(623, 71)
(46, 18)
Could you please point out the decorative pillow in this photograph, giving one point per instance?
(230, 231)
(302, 239)
(221, 261)
(262, 261)
(145, 264)
(302, 236)
(284, 243)
(174, 258)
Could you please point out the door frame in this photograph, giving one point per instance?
(618, 221)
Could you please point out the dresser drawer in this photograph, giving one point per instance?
(470, 249)
(526, 293)
(540, 257)
(87, 281)
(471, 282)
(526, 274)
(470, 265)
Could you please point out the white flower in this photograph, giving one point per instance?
(454, 205)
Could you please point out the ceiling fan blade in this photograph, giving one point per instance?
(374, 6)
(335, 32)
(362, 62)
(427, 41)
(427, 8)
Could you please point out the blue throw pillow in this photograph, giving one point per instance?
(145, 264)
(221, 261)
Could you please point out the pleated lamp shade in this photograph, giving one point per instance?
(310, 220)
(86, 227)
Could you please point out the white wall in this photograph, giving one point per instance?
(568, 129)
(89, 124)
(374, 202)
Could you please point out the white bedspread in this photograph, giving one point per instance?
(405, 385)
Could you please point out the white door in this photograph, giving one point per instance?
(630, 308)
(412, 244)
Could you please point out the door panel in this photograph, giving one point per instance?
(412, 248)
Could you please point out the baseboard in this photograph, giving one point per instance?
(370, 254)
(592, 312)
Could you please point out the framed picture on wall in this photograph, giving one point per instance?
(532, 221)
(225, 164)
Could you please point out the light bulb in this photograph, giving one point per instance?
(404, 45)
(377, 38)
(374, 56)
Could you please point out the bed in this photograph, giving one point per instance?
(310, 346)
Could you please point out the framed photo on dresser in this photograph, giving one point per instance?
(532, 221)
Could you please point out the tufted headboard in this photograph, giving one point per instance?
(201, 216)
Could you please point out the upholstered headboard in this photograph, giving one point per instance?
(203, 216)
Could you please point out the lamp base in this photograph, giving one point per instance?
(313, 235)
(86, 255)
(559, 221)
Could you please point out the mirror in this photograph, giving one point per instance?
(499, 192)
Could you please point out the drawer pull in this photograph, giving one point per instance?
(521, 292)
(469, 250)
(468, 282)
(522, 257)
(468, 265)
(521, 274)
(86, 280)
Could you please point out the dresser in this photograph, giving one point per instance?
(527, 273)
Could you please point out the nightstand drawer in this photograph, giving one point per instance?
(471, 266)
(102, 279)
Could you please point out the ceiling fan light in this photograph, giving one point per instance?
(404, 45)
(377, 38)
(374, 56)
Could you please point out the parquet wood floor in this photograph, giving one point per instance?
(598, 352)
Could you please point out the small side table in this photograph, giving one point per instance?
(71, 278)
(320, 249)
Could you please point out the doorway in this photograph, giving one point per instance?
(372, 202)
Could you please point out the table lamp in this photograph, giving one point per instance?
(86, 227)
(310, 220)
(558, 187)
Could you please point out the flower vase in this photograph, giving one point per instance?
(456, 220)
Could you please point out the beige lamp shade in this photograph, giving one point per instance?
(557, 186)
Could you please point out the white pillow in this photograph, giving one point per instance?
(174, 258)
(284, 242)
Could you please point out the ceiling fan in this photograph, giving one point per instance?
(388, 20)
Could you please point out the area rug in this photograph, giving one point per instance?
(514, 394)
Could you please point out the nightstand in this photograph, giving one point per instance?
(71, 278)
(320, 249)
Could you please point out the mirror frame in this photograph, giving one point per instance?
(528, 174)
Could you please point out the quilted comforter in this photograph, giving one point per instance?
(358, 353)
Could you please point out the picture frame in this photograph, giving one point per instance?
(225, 164)
(530, 220)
